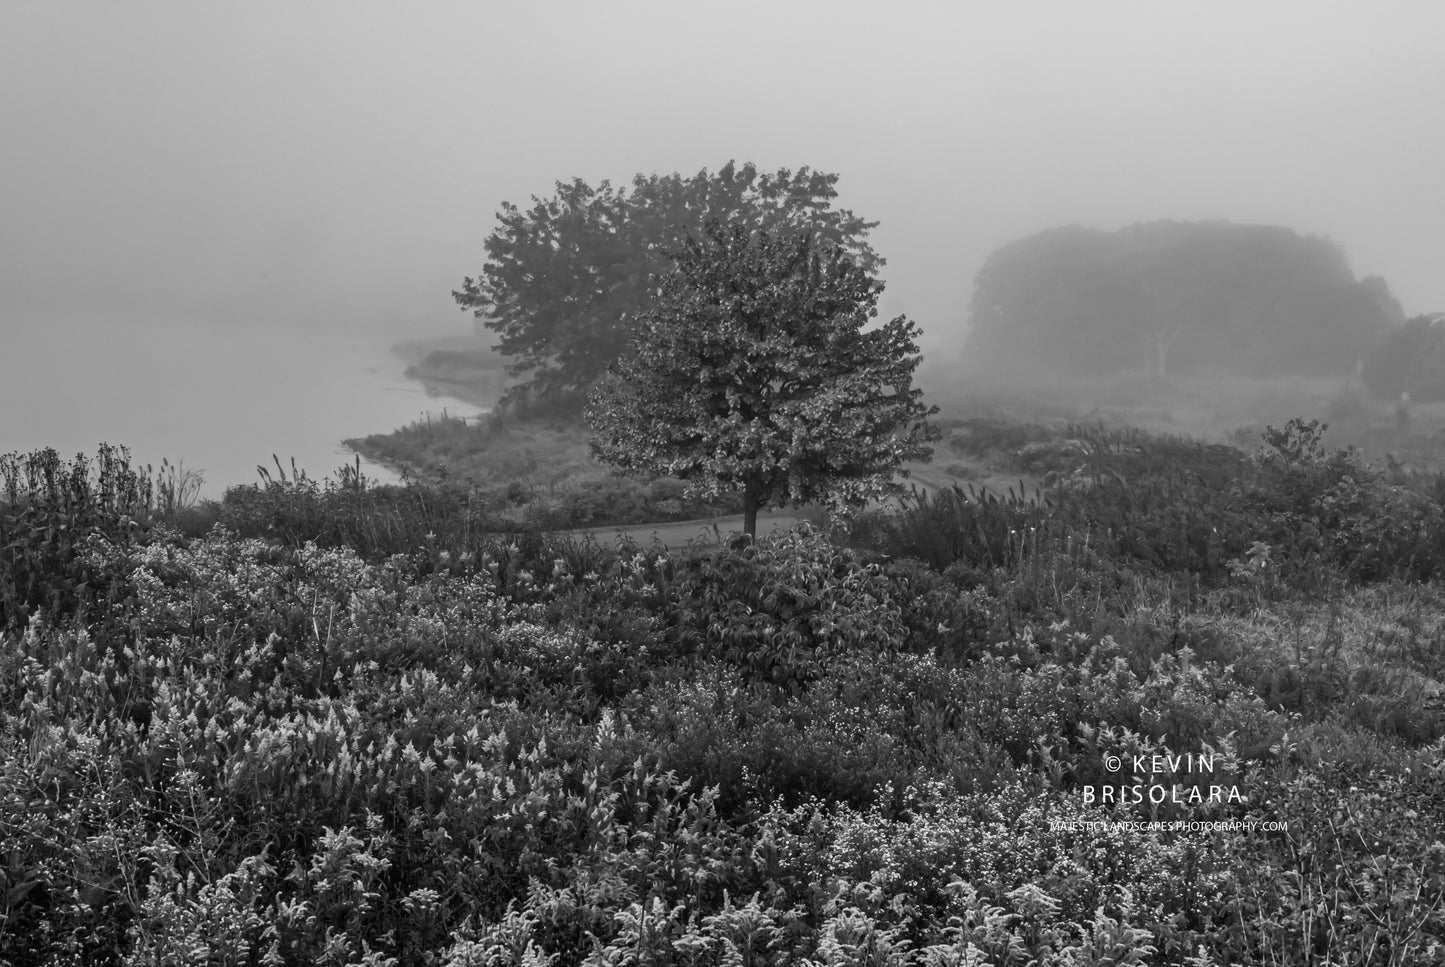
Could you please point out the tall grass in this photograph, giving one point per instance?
(957, 524)
(49, 507)
(177, 487)
(1172, 505)
(350, 510)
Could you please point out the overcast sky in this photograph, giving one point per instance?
(342, 162)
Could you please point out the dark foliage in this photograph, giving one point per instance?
(566, 280)
(47, 509)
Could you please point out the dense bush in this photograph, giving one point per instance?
(48, 508)
(1169, 505)
(1330, 507)
(785, 607)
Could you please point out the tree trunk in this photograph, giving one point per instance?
(1162, 342)
(752, 501)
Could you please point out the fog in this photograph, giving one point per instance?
(338, 165)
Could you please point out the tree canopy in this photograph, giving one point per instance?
(752, 372)
(566, 280)
(1167, 297)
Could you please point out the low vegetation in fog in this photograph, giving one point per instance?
(462, 368)
(297, 740)
(1408, 359)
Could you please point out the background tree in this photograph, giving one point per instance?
(566, 280)
(1164, 297)
(752, 372)
(1408, 359)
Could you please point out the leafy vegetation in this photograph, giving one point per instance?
(1173, 505)
(752, 374)
(566, 281)
(325, 741)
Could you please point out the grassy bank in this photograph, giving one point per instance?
(531, 473)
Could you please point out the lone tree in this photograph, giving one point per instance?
(566, 280)
(752, 372)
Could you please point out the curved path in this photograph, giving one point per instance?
(707, 530)
(710, 530)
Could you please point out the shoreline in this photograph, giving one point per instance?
(398, 471)
(443, 387)
(413, 353)
(482, 392)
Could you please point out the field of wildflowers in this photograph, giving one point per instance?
(351, 725)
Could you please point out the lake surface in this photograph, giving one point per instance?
(221, 398)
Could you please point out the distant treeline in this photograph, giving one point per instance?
(1176, 298)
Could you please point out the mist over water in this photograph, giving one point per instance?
(220, 397)
(273, 194)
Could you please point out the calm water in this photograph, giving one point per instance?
(220, 398)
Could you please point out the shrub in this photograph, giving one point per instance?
(983, 435)
(47, 510)
(1358, 878)
(784, 607)
(1037, 857)
(956, 525)
(1328, 508)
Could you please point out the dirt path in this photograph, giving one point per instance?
(708, 530)
(676, 535)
